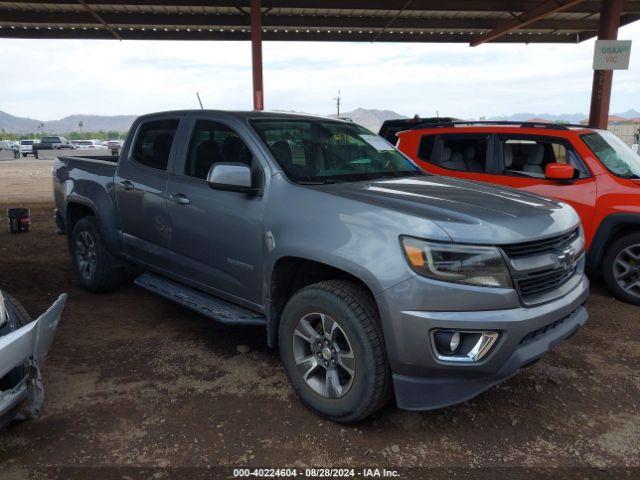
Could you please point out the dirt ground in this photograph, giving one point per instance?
(135, 381)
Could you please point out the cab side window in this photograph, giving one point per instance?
(153, 143)
(528, 156)
(211, 143)
(460, 152)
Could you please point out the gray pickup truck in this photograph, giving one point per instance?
(370, 276)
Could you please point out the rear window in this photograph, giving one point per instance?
(460, 152)
(153, 143)
(26, 142)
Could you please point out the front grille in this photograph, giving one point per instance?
(545, 281)
(532, 285)
(537, 246)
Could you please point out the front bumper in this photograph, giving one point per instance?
(28, 346)
(423, 382)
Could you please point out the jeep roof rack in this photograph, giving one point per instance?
(550, 126)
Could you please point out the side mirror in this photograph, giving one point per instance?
(559, 171)
(231, 177)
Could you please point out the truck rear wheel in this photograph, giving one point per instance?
(621, 268)
(92, 261)
(332, 348)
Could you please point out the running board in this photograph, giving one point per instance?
(208, 305)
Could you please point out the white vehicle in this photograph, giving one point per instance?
(24, 344)
(88, 144)
(26, 147)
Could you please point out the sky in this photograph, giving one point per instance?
(49, 79)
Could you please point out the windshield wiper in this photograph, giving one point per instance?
(326, 181)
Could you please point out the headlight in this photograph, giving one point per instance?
(3, 311)
(473, 265)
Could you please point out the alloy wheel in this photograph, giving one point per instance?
(86, 256)
(626, 270)
(323, 355)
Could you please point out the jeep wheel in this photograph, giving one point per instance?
(332, 349)
(92, 261)
(621, 268)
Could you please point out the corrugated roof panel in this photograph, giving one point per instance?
(289, 21)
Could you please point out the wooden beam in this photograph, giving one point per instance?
(526, 18)
(603, 79)
(256, 54)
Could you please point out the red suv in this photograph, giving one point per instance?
(591, 169)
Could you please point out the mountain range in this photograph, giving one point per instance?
(90, 123)
(368, 118)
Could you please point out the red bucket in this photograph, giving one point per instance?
(19, 220)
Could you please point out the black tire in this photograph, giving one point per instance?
(102, 275)
(24, 155)
(19, 317)
(355, 312)
(609, 268)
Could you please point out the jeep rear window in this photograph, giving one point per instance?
(317, 151)
(614, 154)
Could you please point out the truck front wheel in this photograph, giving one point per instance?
(332, 348)
(92, 261)
(621, 268)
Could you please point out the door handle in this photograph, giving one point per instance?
(127, 185)
(181, 199)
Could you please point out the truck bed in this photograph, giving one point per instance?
(91, 158)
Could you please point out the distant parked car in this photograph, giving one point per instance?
(53, 142)
(88, 144)
(10, 146)
(26, 147)
(114, 146)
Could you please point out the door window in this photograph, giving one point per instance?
(153, 143)
(213, 142)
(529, 156)
(461, 152)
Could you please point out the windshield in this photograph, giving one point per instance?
(324, 151)
(50, 140)
(614, 154)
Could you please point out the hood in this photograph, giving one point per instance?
(469, 212)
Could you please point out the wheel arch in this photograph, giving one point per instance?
(292, 273)
(76, 209)
(610, 229)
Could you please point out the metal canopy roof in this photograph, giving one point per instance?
(467, 21)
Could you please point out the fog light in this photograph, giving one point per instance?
(462, 345)
(447, 341)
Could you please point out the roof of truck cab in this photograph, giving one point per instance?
(242, 114)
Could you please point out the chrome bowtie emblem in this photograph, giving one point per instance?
(565, 259)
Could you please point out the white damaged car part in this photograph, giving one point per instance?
(23, 347)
